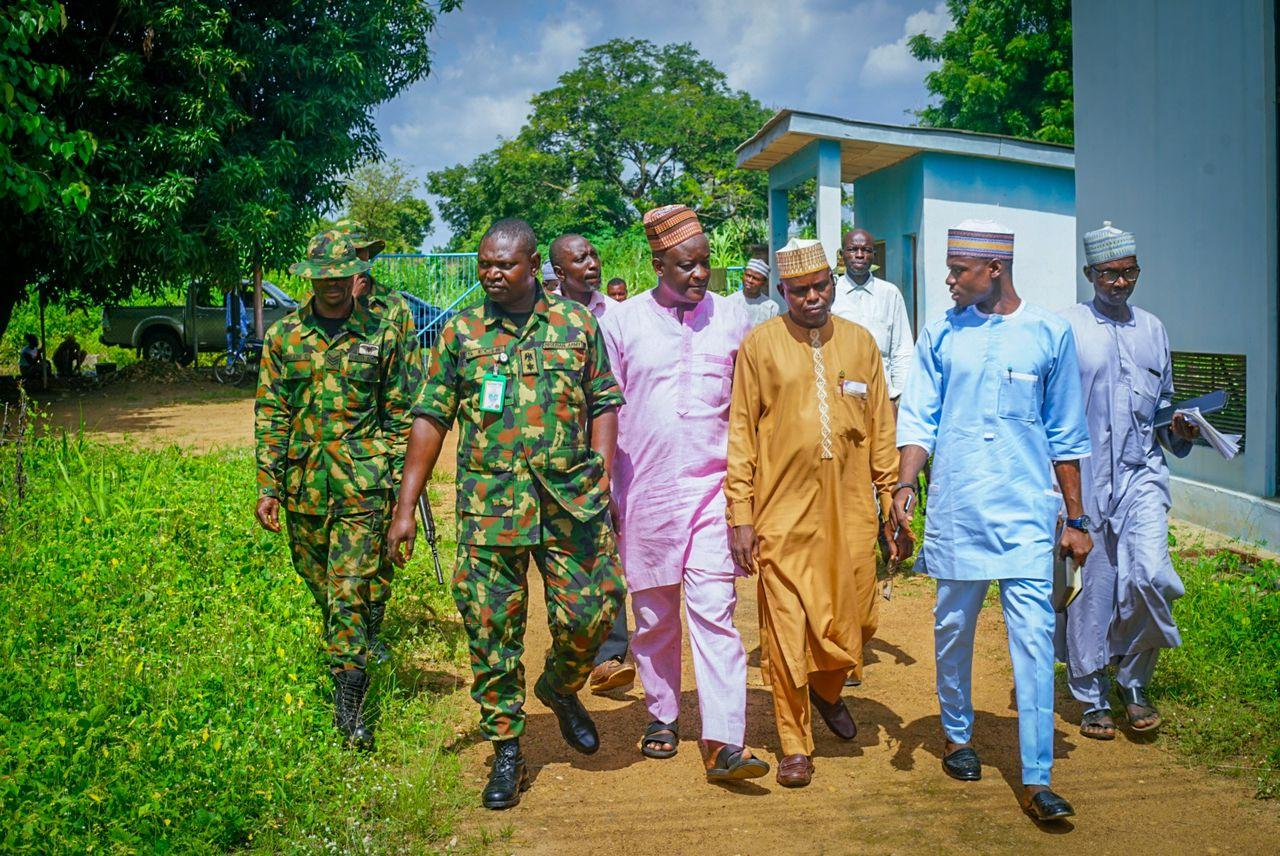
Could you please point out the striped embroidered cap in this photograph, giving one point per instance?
(980, 239)
(802, 256)
(670, 225)
(1108, 244)
(760, 266)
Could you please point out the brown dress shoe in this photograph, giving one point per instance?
(835, 715)
(795, 771)
(611, 675)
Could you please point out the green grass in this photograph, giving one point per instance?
(1220, 692)
(164, 691)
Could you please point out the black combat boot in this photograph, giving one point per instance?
(508, 778)
(349, 687)
(378, 652)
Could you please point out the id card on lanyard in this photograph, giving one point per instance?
(493, 393)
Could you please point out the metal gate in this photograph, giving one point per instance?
(437, 286)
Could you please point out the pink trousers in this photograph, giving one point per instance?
(719, 660)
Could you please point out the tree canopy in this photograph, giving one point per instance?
(149, 142)
(1006, 69)
(381, 195)
(632, 126)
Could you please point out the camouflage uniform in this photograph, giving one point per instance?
(388, 303)
(331, 423)
(529, 485)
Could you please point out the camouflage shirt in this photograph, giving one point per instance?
(392, 305)
(333, 415)
(557, 380)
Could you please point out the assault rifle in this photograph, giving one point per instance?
(429, 531)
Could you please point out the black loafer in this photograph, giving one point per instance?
(836, 715)
(1046, 805)
(962, 764)
(576, 726)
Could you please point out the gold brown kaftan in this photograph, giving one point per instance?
(811, 439)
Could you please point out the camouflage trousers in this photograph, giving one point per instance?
(585, 589)
(338, 555)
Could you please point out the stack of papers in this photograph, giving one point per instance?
(1227, 445)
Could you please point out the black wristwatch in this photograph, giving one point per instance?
(900, 485)
(1082, 522)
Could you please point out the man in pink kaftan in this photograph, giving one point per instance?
(672, 351)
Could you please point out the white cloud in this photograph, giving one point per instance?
(893, 63)
(492, 56)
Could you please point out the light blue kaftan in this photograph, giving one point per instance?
(996, 399)
(1129, 582)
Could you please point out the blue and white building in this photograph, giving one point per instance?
(1176, 141)
(911, 184)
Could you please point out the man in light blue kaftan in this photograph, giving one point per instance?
(1124, 614)
(994, 396)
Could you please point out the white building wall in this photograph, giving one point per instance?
(1044, 253)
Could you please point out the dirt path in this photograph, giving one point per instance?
(199, 417)
(883, 793)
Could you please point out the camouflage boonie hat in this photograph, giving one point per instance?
(359, 236)
(330, 254)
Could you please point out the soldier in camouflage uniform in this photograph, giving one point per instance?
(527, 377)
(391, 305)
(334, 404)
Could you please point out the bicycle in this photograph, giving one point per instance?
(238, 362)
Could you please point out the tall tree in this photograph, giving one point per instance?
(381, 195)
(634, 125)
(222, 130)
(1006, 69)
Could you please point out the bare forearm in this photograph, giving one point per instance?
(911, 460)
(426, 438)
(1068, 473)
(604, 436)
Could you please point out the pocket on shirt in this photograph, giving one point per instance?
(1019, 396)
(852, 410)
(713, 379)
(1144, 395)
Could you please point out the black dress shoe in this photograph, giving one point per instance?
(963, 764)
(576, 726)
(835, 715)
(508, 778)
(1046, 805)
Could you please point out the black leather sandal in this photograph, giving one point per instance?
(730, 766)
(655, 734)
(1136, 697)
(1102, 725)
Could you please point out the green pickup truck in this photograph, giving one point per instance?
(175, 333)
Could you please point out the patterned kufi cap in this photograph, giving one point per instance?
(330, 254)
(802, 256)
(359, 236)
(670, 225)
(1108, 244)
(980, 239)
(760, 266)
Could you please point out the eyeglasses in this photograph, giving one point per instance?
(1109, 277)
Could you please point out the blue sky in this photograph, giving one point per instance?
(839, 57)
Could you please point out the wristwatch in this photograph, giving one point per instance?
(1082, 522)
(900, 485)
